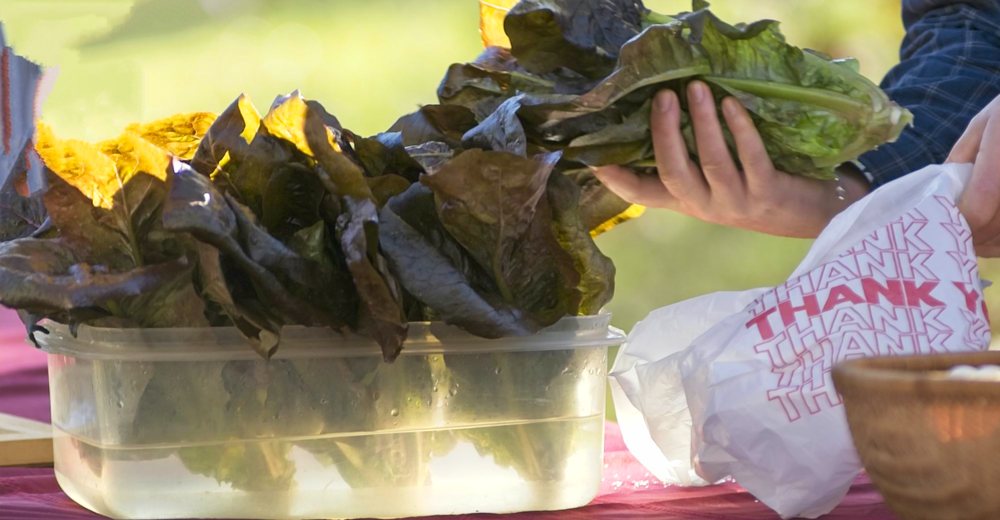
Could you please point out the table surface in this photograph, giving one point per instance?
(628, 491)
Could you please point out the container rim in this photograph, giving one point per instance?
(227, 343)
(914, 375)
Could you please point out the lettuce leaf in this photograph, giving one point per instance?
(582, 36)
(814, 113)
(437, 271)
(494, 204)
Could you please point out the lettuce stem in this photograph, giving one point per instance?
(654, 18)
(828, 99)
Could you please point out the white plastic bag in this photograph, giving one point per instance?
(738, 384)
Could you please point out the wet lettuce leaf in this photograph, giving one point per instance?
(105, 199)
(495, 76)
(502, 131)
(173, 303)
(180, 135)
(600, 209)
(292, 200)
(21, 216)
(537, 450)
(112, 232)
(813, 113)
(444, 123)
(246, 178)
(582, 36)
(212, 401)
(627, 142)
(228, 138)
(291, 284)
(431, 155)
(381, 312)
(386, 187)
(660, 55)
(45, 277)
(597, 271)
(316, 188)
(437, 271)
(261, 329)
(494, 204)
(384, 154)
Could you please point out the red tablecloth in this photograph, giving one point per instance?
(628, 490)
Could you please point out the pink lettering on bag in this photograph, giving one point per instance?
(882, 298)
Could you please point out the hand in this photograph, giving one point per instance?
(980, 145)
(758, 198)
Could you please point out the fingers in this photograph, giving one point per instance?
(716, 163)
(678, 173)
(967, 146)
(645, 190)
(988, 159)
(757, 166)
(991, 250)
(981, 201)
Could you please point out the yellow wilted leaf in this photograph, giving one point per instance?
(233, 130)
(287, 121)
(80, 164)
(251, 118)
(179, 134)
(633, 211)
(100, 171)
(491, 16)
(133, 154)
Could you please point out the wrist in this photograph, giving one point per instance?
(830, 198)
(851, 186)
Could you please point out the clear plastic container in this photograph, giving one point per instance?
(182, 423)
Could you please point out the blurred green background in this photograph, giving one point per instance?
(371, 61)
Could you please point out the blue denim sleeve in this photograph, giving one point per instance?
(949, 70)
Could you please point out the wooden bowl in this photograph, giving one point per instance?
(931, 444)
